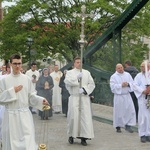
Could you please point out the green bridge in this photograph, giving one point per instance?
(102, 93)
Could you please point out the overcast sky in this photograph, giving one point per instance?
(7, 4)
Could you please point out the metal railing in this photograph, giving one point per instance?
(102, 94)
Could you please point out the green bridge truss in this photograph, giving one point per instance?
(102, 91)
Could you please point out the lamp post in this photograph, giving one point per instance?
(29, 44)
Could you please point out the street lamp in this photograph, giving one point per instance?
(29, 44)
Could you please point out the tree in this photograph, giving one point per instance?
(55, 30)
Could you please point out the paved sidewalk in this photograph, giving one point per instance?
(52, 132)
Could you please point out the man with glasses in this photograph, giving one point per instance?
(17, 94)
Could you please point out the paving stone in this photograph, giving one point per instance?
(53, 133)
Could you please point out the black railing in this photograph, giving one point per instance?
(102, 94)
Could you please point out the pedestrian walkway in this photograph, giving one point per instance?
(52, 132)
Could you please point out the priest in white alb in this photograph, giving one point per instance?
(123, 109)
(79, 115)
(17, 94)
(34, 76)
(2, 109)
(56, 97)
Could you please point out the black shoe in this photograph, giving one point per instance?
(118, 129)
(70, 140)
(148, 138)
(83, 142)
(128, 128)
(143, 139)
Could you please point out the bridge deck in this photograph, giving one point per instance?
(52, 132)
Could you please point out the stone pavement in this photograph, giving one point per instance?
(52, 132)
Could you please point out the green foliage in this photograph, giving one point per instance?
(55, 30)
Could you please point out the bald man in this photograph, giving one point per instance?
(123, 110)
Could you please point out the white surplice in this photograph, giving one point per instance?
(123, 111)
(79, 124)
(139, 86)
(30, 73)
(2, 109)
(17, 126)
(56, 97)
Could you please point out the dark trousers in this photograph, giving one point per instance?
(135, 101)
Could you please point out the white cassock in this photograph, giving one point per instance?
(2, 108)
(17, 126)
(144, 113)
(30, 73)
(123, 111)
(79, 124)
(56, 97)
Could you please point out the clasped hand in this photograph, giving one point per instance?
(125, 84)
(33, 80)
(147, 91)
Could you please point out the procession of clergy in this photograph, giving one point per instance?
(121, 84)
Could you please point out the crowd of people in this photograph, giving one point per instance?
(21, 95)
(25, 93)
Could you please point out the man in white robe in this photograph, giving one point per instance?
(140, 90)
(17, 94)
(79, 117)
(57, 97)
(34, 76)
(2, 109)
(123, 110)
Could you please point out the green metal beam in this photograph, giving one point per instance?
(125, 17)
(97, 73)
(117, 47)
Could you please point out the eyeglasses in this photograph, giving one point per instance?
(15, 64)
